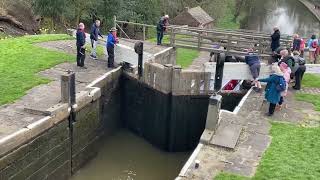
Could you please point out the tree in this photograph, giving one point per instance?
(49, 9)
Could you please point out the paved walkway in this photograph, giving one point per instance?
(314, 91)
(13, 117)
(254, 139)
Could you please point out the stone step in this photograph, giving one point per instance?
(227, 135)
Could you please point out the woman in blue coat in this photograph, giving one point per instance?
(272, 94)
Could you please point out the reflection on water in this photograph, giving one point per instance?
(290, 16)
(128, 157)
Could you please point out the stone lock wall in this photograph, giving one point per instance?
(53, 148)
(45, 157)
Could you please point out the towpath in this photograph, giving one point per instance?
(14, 117)
(254, 138)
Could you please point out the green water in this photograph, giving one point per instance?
(125, 156)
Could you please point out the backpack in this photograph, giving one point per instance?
(281, 85)
(314, 44)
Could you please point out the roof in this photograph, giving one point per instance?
(200, 15)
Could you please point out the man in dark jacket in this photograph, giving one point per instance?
(94, 36)
(81, 41)
(161, 28)
(111, 42)
(275, 39)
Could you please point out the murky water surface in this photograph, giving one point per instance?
(128, 157)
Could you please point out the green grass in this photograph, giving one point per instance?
(227, 20)
(293, 154)
(185, 57)
(20, 60)
(313, 99)
(311, 80)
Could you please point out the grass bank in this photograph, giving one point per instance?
(293, 154)
(185, 56)
(311, 81)
(20, 61)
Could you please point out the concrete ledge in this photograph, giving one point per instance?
(102, 81)
(14, 140)
(83, 99)
(95, 94)
(190, 162)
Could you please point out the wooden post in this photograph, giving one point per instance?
(199, 40)
(168, 77)
(65, 88)
(229, 43)
(172, 38)
(144, 33)
(260, 46)
(115, 21)
(176, 79)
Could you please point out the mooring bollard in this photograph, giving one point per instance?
(138, 47)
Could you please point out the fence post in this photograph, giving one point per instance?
(199, 40)
(115, 21)
(144, 33)
(229, 43)
(172, 38)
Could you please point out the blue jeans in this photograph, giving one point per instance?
(159, 37)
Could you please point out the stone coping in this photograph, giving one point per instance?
(58, 113)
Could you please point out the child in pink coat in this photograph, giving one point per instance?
(286, 74)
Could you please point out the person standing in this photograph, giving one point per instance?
(296, 44)
(272, 93)
(161, 28)
(299, 72)
(275, 39)
(111, 42)
(94, 37)
(253, 61)
(313, 45)
(302, 47)
(81, 41)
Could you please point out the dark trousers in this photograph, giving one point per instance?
(281, 100)
(159, 37)
(299, 75)
(272, 107)
(110, 56)
(81, 56)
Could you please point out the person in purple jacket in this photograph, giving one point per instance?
(253, 60)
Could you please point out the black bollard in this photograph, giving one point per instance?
(138, 47)
(221, 57)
